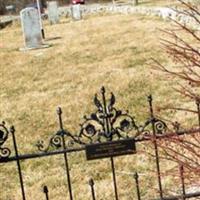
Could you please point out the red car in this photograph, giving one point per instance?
(78, 1)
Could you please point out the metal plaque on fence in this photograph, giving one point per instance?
(110, 149)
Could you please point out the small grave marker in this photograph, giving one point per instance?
(53, 13)
(76, 12)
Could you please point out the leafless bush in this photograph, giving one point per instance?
(182, 45)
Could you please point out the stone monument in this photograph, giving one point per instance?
(76, 12)
(53, 12)
(31, 29)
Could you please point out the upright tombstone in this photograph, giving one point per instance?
(53, 12)
(31, 28)
(76, 12)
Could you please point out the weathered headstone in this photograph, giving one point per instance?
(76, 12)
(53, 12)
(31, 28)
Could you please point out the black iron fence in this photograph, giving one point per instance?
(103, 127)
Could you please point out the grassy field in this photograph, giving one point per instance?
(144, 2)
(158, 2)
(108, 50)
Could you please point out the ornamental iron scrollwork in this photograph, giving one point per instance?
(160, 128)
(107, 123)
(4, 151)
(56, 141)
(153, 126)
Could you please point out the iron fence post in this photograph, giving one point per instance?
(114, 178)
(46, 192)
(198, 110)
(12, 130)
(59, 112)
(181, 169)
(106, 114)
(136, 177)
(155, 146)
(91, 183)
(107, 129)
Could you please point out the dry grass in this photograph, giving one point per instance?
(100, 50)
(144, 2)
(158, 2)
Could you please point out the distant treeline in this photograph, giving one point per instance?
(15, 4)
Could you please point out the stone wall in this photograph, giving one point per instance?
(161, 12)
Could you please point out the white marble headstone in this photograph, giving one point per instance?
(76, 12)
(53, 13)
(31, 28)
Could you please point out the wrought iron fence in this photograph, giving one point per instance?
(104, 126)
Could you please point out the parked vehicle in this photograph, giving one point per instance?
(78, 1)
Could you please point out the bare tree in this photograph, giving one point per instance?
(182, 45)
(183, 48)
(2, 7)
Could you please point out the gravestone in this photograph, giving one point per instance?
(76, 12)
(53, 13)
(31, 29)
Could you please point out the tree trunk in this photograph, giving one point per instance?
(135, 2)
(2, 7)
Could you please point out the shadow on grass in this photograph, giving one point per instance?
(53, 38)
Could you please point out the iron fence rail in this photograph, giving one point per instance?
(22, 157)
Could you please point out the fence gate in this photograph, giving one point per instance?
(106, 133)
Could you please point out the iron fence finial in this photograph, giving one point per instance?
(150, 99)
(91, 182)
(45, 189)
(135, 175)
(59, 110)
(12, 129)
(103, 90)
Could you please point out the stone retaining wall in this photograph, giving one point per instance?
(162, 12)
